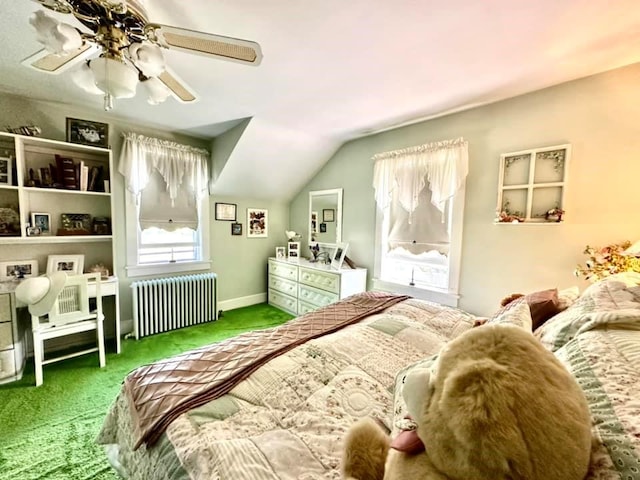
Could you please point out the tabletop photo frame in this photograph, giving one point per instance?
(70, 264)
(338, 255)
(18, 269)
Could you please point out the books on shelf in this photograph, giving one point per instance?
(69, 175)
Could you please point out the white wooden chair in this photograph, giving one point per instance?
(69, 315)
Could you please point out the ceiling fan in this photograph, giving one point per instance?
(122, 49)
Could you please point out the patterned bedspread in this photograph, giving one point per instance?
(288, 419)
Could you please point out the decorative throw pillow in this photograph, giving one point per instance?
(544, 305)
(516, 313)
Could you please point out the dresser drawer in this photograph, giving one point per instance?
(6, 335)
(304, 307)
(5, 307)
(283, 270)
(7, 364)
(315, 296)
(283, 285)
(285, 302)
(320, 279)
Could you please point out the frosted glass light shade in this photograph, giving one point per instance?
(57, 37)
(83, 78)
(157, 92)
(148, 58)
(114, 77)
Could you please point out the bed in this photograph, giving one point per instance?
(287, 417)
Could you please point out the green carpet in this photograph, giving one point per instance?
(48, 432)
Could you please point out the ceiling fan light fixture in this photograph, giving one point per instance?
(148, 58)
(114, 77)
(83, 78)
(157, 92)
(57, 37)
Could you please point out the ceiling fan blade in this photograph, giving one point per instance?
(46, 62)
(208, 44)
(178, 87)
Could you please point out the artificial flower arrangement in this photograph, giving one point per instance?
(606, 261)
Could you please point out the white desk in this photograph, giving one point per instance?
(108, 288)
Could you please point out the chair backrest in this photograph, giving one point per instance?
(72, 304)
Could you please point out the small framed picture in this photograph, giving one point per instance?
(338, 255)
(42, 223)
(71, 264)
(226, 211)
(328, 215)
(87, 132)
(314, 222)
(18, 269)
(257, 225)
(323, 228)
(5, 171)
(236, 229)
(280, 253)
(293, 249)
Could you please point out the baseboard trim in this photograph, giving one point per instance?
(242, 301)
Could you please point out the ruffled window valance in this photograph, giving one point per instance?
(443, 164)
(168, 180)
(180, 165)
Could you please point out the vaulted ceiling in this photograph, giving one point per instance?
(334, 70)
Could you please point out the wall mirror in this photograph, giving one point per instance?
(325, 216)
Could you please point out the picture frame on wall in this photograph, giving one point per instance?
(257, 223)
(71, 264)
(328, 215)
(41, 222)
(236, 229)
(18, 269)
(226, 211)
(87, 132)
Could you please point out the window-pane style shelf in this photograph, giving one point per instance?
(531, 185)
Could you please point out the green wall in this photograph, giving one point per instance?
(239, 262)
(599, 116)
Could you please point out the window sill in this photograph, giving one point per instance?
(443, 297)
(160, 268)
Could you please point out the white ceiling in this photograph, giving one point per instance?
(338, 69)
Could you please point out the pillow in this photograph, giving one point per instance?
(567, 297)
(516, 313)
(544, 305)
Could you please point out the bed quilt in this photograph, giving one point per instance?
(287, 420)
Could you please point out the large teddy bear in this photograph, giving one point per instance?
(496, 405)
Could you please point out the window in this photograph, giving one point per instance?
(167, 211)
(420, 200)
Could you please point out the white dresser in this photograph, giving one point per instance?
(300, 286)
(12, 337)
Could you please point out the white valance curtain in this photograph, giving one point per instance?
(405, 172)
(185, 175)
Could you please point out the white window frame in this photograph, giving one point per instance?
(448, 296)
(134, 269)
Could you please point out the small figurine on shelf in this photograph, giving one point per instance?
(554, 215)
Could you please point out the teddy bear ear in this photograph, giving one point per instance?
(416, 390)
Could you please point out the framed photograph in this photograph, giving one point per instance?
(86, 132)
(280, 253)
(42, 223)
(9, 221)
(5, 171)
(18, 269)
(257, 225)
(293, 249)
(236, 229)
(338, 255)
(72, 264)
(328, 215)
(314, 222)
(323, 228)
(226, 211)
(75, 224)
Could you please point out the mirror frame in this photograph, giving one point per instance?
(314, 193)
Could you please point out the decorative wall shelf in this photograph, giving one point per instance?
(531, 186)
